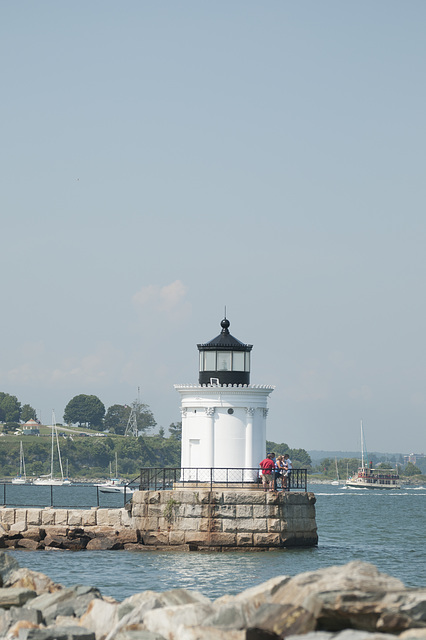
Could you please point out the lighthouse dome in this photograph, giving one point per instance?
(224, 360)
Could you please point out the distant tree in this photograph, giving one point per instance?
(411, 470)
(161, 432)
(421, 464)
(175, 430)
(8, 427)
(10, 408)
(278, 449)
(116, 418)
(144, 416)
(299, 457)
(36, 468)
(385, 465)
(28, 413)
(87, 410)
(349, 466)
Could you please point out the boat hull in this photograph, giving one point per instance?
(48, 482)
(114, 489)
(371, 485)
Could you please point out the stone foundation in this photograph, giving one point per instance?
(225, 519)
(221, 520)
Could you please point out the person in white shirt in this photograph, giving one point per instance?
(288, 466)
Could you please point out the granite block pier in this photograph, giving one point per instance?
(202, 519)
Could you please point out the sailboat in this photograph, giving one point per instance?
(67, 480)
(337, 481)
(21, 478)
(49, 479)
(370, 478)
(114, 485)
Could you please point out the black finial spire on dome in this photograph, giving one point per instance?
(224, 358)
(225, 324)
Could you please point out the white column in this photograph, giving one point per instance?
(265, 413)
(184, 456)
(249, 437)
(210, 436)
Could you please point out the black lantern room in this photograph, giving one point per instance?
(224, 360)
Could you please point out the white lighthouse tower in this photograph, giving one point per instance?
(224, 416)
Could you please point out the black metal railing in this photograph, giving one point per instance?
(157, 478)
(74, 496)
(86, 496)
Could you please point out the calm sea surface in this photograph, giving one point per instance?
(386, 528)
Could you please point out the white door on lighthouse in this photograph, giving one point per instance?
(194, 453)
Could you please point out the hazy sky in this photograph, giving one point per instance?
(160, 160)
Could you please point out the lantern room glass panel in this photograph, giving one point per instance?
(209, 361)
(224, 359)
(238, 361)
(247, 360)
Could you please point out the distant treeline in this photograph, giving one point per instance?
(89, 457)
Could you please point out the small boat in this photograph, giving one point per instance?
(21, 478)
(66, 479)
(373, 478)
(49, 479)
(114, 485)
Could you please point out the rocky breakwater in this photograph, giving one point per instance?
(72, 529)
(192, 520)
(225, 519)
(350, 602)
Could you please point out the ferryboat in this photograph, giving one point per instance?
(369, 477)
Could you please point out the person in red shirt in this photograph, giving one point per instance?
(268, 472)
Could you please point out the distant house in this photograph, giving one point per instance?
(31, 428)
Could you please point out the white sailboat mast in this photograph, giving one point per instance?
(55, 433)
(22, 470)
(362, 447)
(53, 441)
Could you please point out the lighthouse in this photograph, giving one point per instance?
(224, 415)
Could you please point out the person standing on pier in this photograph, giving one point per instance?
(288, 466)
(268, 472)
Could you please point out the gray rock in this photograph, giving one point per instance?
(46, 600)
(232, 615)
(34, 580)
(104, 543)
(347, 634)
(7, 565)
(413, 604)
(168, 620)
(391, 612)
(259, 593)
(413, 634)
(22, 613)
(56, 633)
(66, 602)
(212, 633)
(15, 597)
(132, 610)
(139, 635)
(354, 576)
(283, 619)
(5, 619)
(12, 620)
(100, 617)
(165, 599)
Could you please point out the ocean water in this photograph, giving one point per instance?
(386, 528)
